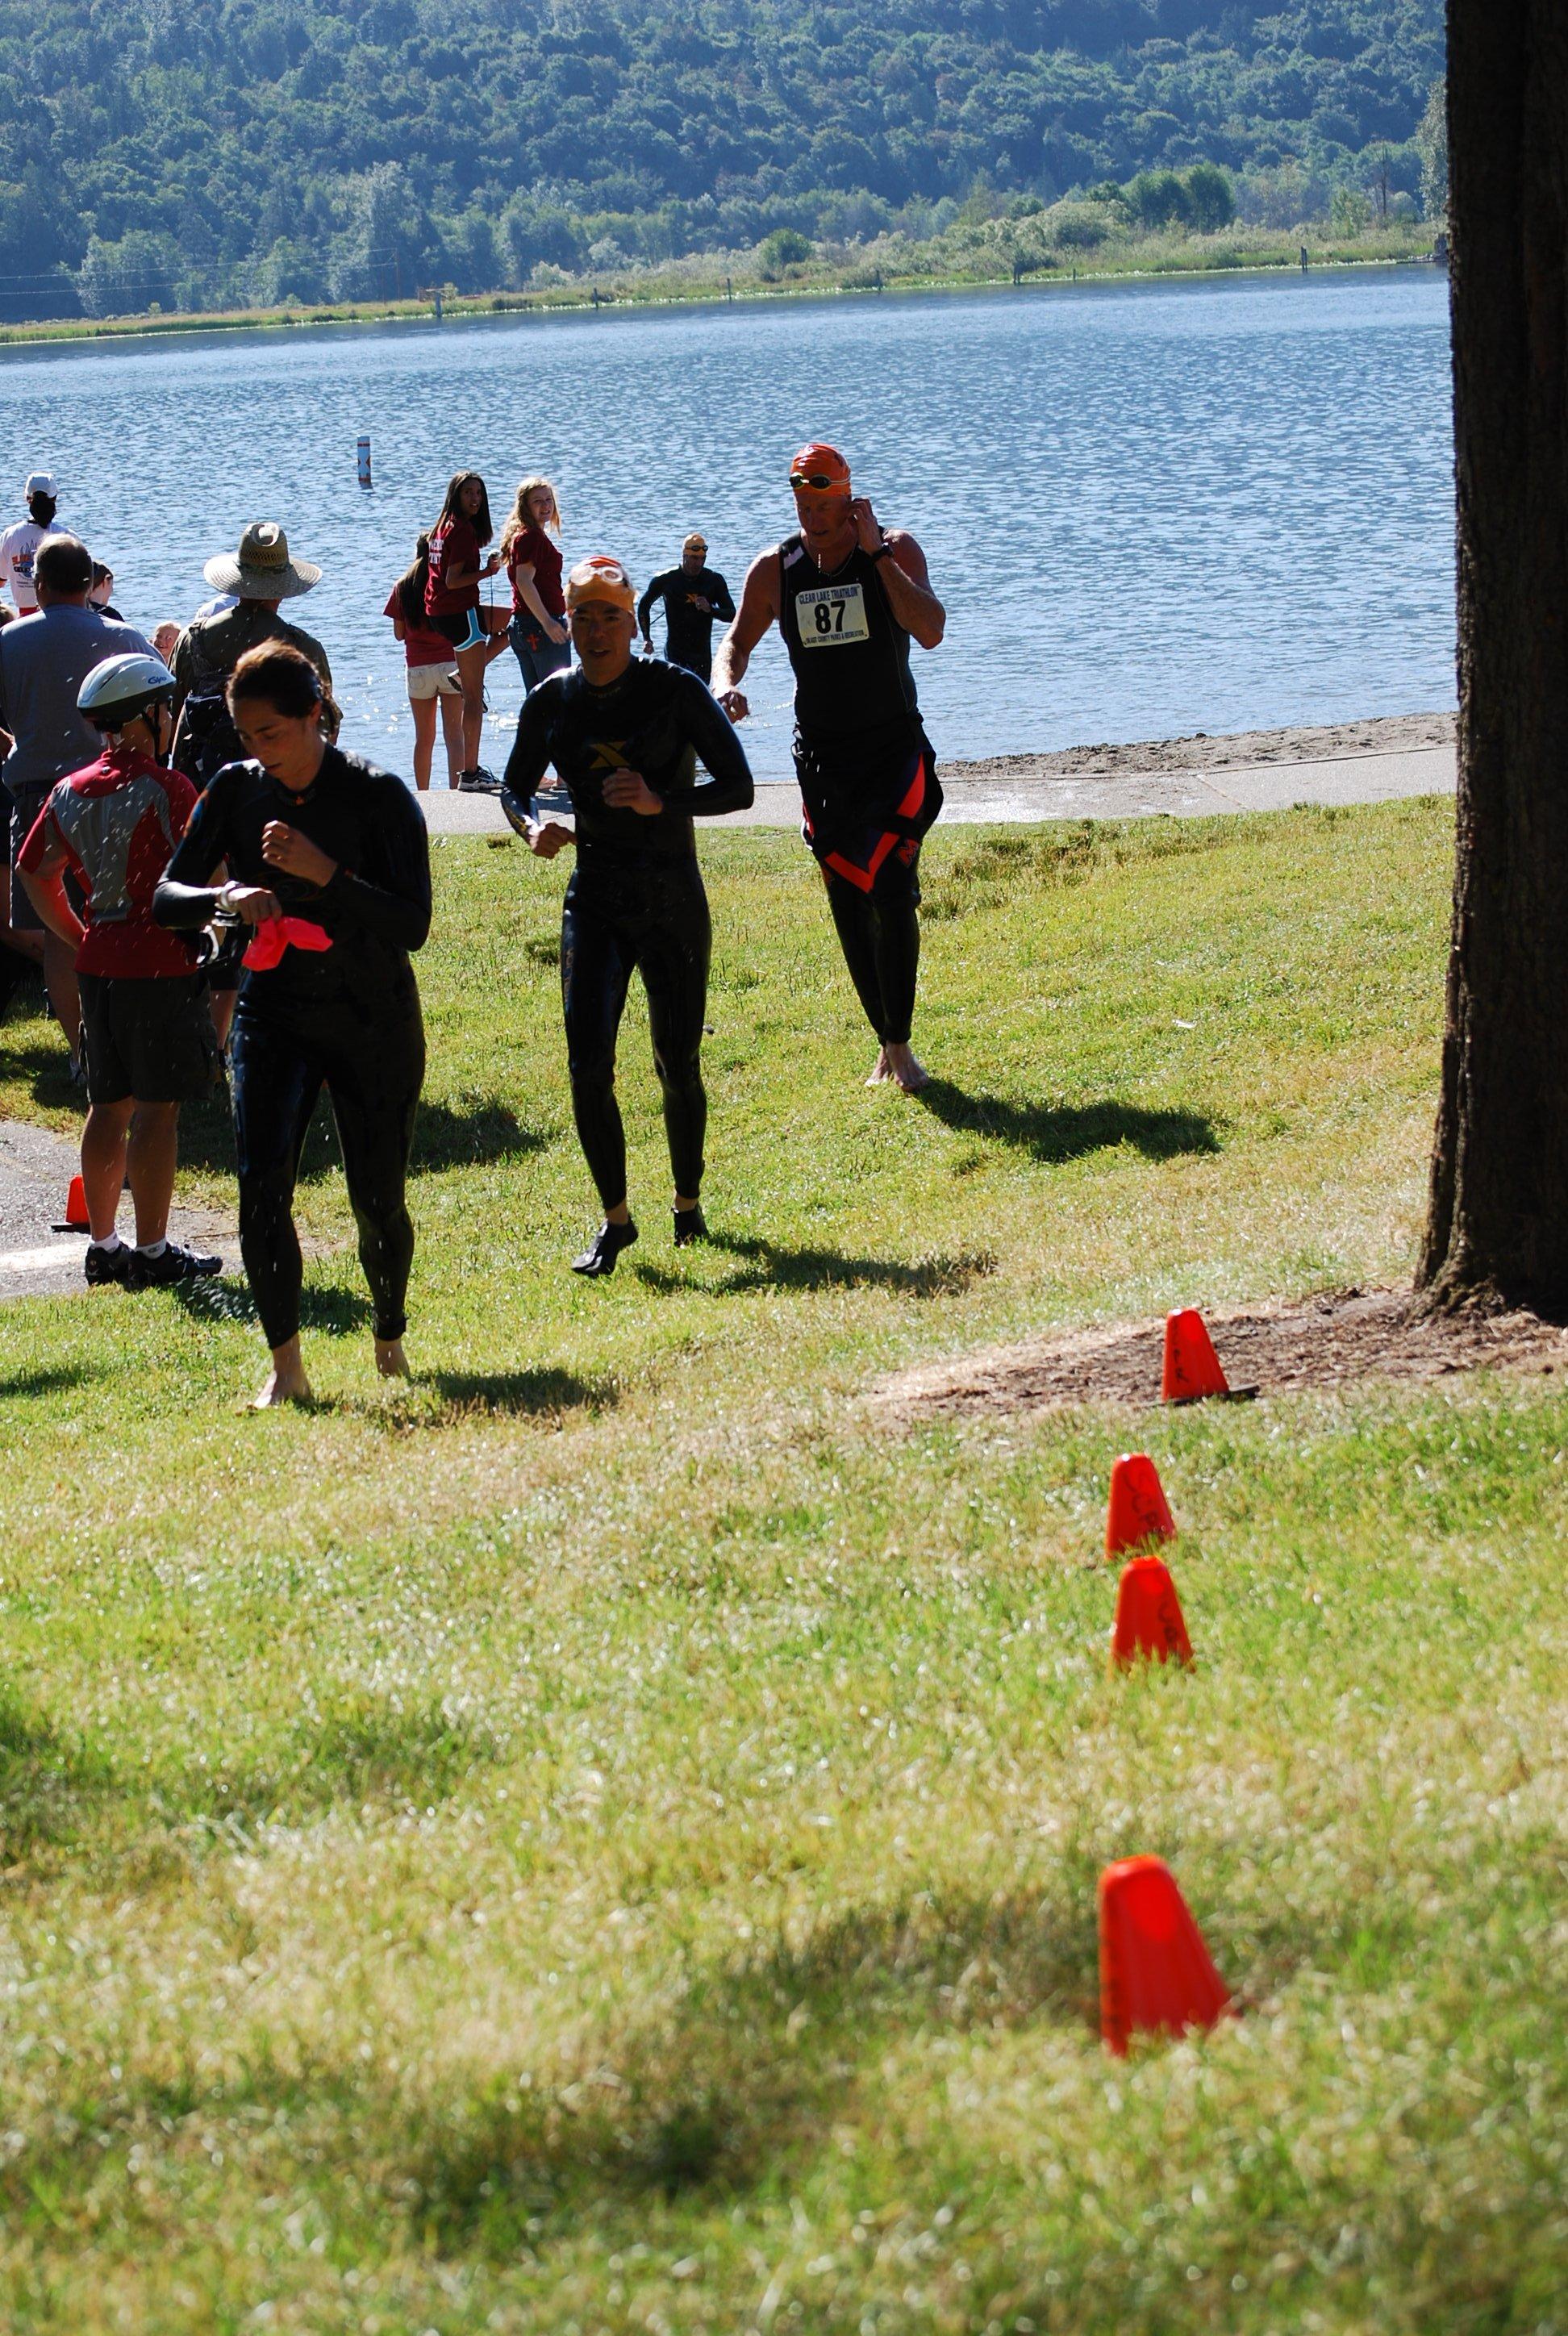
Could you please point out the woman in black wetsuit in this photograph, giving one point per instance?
(329, 861)
(624, 739)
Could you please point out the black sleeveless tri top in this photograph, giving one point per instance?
(851, 654)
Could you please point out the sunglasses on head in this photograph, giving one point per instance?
(817, 482)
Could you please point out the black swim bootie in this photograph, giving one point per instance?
(690, 1225)
(608, 1244)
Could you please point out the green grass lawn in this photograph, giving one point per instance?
(605, 1838)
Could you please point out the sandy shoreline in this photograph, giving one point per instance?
(1399, 734)
(1251, 769)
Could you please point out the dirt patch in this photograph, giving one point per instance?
(1328, 1341)
(1397, 733)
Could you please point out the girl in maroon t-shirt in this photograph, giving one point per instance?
(431, 671)
(538, 632)
(457, 566)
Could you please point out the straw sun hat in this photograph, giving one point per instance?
(263, 570)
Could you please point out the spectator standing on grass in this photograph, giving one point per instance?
(251, 586)
(18, 950)
(431, 671)
(537, 631)
(457, 568)
(692, 594)
(146, 1029)
(19, 544)
(43, 661)
(101, 592)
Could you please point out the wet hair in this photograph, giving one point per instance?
(102, 575)
(451, 508)
(410, 586)
(278, 675)
(520, 519)
(63, 564)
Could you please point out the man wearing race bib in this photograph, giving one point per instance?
(848, 597)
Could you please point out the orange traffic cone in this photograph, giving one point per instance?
(76, 1219)
(1149, 1618)
(1138, 1513)
(1193, 1369)
(1155, 1968)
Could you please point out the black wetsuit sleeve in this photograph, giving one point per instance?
(719, 750)
(393, 902)
(186, 897)
(527, 763)
(719, 594)
(655, 591)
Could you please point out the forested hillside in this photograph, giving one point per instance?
(199, 152)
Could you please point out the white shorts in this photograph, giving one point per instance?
(432, 681)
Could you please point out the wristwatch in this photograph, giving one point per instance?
(882, 551)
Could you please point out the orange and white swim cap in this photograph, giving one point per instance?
(600, 579)
(820, 469)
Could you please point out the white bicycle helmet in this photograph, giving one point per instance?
(119, 688)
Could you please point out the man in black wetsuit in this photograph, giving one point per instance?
(329, 862)
(693, 594)
(624, 737)
(848, 597)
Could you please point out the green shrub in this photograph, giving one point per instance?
(785, 246)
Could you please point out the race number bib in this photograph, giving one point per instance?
(826, 620)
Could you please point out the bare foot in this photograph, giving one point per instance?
(390, 1359)
(900, 1064)
(280, 1387)
(285, 1381)
(881, 1074)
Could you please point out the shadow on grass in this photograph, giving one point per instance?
(768, 1265)
(760, 2058)
(360, 1753)
(337, 1311)
(475, 1131)
(48, 1784)
(1060, 1132)
(47, 1380)
(529, 1393)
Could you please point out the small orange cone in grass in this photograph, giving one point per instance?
(1156, 1973)
(1138, 1512)
(1149, 1619)
(1193, 1370)
(76, 1219)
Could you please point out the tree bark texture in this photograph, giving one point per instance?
(1498, 1218)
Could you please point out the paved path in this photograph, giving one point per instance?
(36, 1261)
(1363, 778)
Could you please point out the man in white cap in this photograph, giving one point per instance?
(19, 544)
(261, 575)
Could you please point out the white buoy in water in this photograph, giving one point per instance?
(365, 461)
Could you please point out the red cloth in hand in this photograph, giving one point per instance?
(279, 934)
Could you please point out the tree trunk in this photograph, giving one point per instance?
(1498, 1219)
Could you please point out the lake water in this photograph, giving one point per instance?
(1150, 508)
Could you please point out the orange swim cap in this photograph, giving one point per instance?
(820, 469)
(600, 579)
